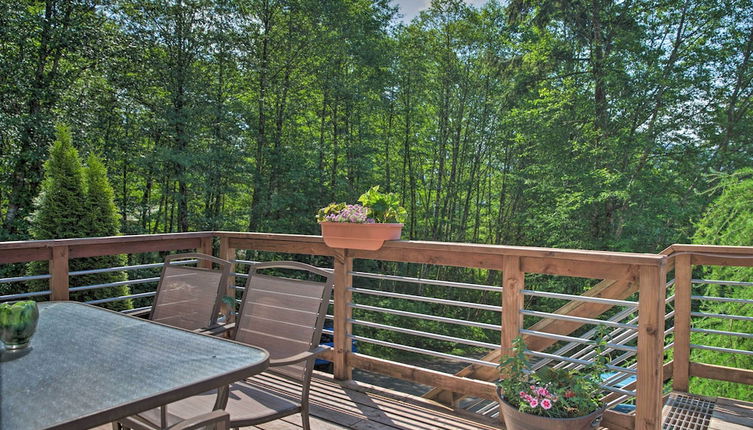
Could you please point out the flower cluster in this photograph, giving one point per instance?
(538, 397)
(350, 213)
(375, 207)
(552, 392)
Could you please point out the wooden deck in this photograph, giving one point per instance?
(683, 411)
(359, 406)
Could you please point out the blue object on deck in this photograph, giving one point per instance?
(625, 408)
(328, 340)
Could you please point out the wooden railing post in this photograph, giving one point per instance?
(513, 282)
(206, 248)
(342, 313)
(228, 253)
(683, 291)
(59, 273)
(651, 309)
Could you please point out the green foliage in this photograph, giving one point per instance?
(78, 202)
(727, 221)
(552, 392)
(101, 220)
(61, 213)
(383, 207)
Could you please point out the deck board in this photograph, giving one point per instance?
(732, 415)
(351, 405)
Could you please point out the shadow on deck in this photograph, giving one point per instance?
(351, 405)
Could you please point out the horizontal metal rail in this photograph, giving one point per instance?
(119, 298)
(721, 349)
(562, 317)
(24, 278)
(24, 295)
(422, 351)
(611, 367)
(722, 299)
(440, 283)
(130, 268)
(722, 316)
(715, 282)
(496, 327)
(579, 340)
(244, 261)
(722, 332)
(591, 333)
(494, 308)
(577, 298)
(114, 284)
(423, 334)
(618, 390)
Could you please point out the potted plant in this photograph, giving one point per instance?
(18, 321)
(367, 225)
(550, 398)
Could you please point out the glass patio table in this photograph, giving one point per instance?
(88, 366)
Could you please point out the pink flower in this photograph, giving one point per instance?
(541, 391)
(523, 394)
(546, 404)
(534, 402)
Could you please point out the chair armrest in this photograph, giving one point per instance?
(296, 358)
(216, 330)
(219, 419)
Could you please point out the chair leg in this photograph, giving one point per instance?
(305, 421)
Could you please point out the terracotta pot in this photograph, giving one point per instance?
(368, 237)
(516, 420)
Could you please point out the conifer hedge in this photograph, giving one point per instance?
(78, 202)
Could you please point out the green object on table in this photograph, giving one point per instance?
(18, 321)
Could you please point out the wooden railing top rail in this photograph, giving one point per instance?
(715, 249)
(417, 245)
(28, 244)
(33, 250)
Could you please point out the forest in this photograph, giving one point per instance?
(600, 124)
(595, 125)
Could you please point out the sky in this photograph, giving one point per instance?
(411, 8)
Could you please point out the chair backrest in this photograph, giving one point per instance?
(190, 297)
(284, 315)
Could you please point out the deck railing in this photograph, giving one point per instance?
(629, 297)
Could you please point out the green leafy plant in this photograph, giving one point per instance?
(383, 207)
(375, 207)
(552, 392)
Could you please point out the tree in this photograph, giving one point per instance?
(77, 202)
(44, 48)
(728, 221)
(101, 219)
(61, 213)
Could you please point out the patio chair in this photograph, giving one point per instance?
(190, 297)
(284, 316)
